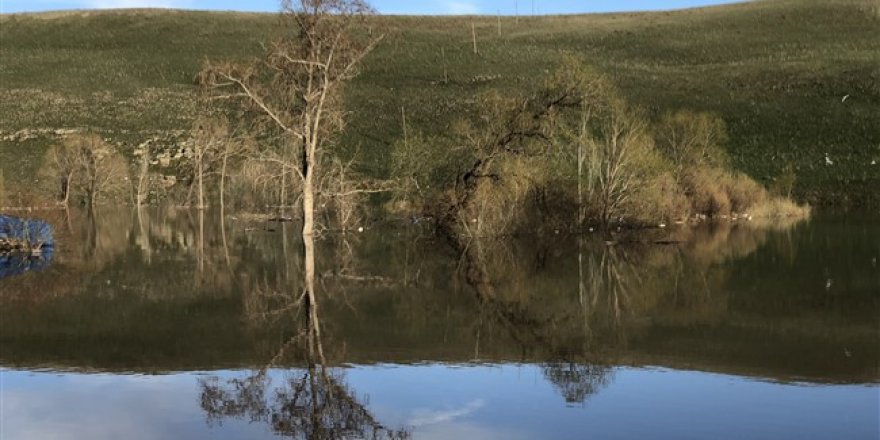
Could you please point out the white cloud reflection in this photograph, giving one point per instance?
(424, 417)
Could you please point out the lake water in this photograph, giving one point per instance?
(158, 324)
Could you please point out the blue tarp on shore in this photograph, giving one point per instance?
(34, 232)
(18, 264)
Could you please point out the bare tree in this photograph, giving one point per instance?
(617, 156)
(61, 164)
(314, 402)
(691, 140)
(211, 148)
(295, 89)
(142, 187)
(85, 165)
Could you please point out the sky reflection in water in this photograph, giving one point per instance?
(735, 332)
(442, 402)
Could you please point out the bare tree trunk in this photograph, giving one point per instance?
(201, 249)
(580, 176)
(143, 176)
(223, 237)
(93, 180)
(283, 196)
(308, 203)
(474, 35)
(223, 180)
(67, 219)
(144, 238)
(309, 162)
(445, 66)
(201, 183)
(311, 296)
(66, 189)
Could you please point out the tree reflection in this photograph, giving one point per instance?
(693, 300)
(313, 403)
(576, 382)
(309, 403)
(608, 278)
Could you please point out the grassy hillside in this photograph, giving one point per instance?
(776, 71)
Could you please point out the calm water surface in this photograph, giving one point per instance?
(170, 324)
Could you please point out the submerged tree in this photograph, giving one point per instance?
(213, 144)
(577, 382)
(294, 92)
(513, 163)
(691, 140)
(88, 168)
(312, 402)
(621, 155)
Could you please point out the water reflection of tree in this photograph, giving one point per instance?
(608, 291)
(313, 402)
(606, 286)
(309, 403)
(534, 302)
(577, 381)
(531, 327)
(480, 260)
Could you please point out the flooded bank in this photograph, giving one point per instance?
(197, 326)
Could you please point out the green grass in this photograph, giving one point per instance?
(774, 70)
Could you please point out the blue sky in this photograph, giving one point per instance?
(384, 6)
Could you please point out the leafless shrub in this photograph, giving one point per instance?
(691, 140)
(623, 157)
(144, 179)
(784, 184)
(417, 164)
(707, 193)
(294, 92)
(694, 144)
(211, 144)
(743, 192)
(776, 208)
(341, 197)
(255, 185)
(659, 200)
(86, 167)
(498, 205)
